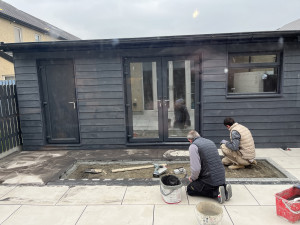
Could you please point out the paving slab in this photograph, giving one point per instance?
(258, 215)
(34, 195)
(293, 152)
(288, 162)
(5, 189)
(265, 194)
(117, 214)
(6, 211)
(46, 215)
(84, 195)
(270, 152)
(295, 172)
(240, 196)
(148, 195)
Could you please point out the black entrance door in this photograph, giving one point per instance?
(162, 98)
(59, 101)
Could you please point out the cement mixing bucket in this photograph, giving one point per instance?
(170, 189)
(208, 213)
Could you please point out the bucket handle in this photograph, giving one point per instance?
(287, 205)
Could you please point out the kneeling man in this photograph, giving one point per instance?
(207, 171)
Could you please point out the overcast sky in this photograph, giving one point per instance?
(101, 19)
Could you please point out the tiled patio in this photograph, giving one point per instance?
(142, 205)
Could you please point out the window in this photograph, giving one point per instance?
(18, 34)
(37, 37)
(253, 73)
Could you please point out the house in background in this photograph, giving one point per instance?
(17, 26)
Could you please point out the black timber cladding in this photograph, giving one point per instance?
(274, 122)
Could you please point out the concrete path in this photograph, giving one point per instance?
(29, 204)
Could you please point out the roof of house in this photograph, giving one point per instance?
(13, 14)
(149, 42)
(295, 25)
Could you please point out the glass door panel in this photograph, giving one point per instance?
(144, 100)
(181, 97)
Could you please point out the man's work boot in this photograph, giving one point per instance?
(228, 192)
(226, 161)
(236, 167)
(221, 195)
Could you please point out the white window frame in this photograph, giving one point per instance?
(39, 37)
(19, 30)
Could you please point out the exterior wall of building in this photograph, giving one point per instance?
(7, 35)
(100, 88)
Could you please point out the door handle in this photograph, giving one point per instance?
(166, 101)
(73, 104)
(159, 103)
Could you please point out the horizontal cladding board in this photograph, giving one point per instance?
(222, 99)
(31, 130)
(25, 123)
(99, 67)
(291, 90)
(292, 59)
(251, 118)
(206, 77)
(30, 117)
(25, 62)
(105, 115)
(108, 135)
(253, 105)
(103, 141)
(26, 136)
(28, 90)
(97, 60)
(101, 88)
(206, 63)
(101, 102)
(269, 139)
(32, 142)
(28, 97)
(292, 75)
(95, 128)
(213, 84)
(292, 67)
(257, 126)
(100, 81)
(107, 94)
(105, 122)
(29, 104)
(29, 76)
(247, 112)
(107, 109)
(291, 82)
(214, 92)
(115, 73)
(213, 70)
(25, 69)
(257, 133)
(29, 110)
(27, 83)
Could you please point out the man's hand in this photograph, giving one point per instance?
(223, 142)
(190, 179)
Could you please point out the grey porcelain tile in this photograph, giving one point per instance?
(6, 211)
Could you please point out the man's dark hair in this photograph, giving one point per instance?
(228, 121)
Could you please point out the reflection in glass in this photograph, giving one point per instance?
(143, 80)
(181, 90)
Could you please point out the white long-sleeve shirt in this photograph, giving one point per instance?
(194, 162)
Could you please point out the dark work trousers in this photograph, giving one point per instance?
(198, 188)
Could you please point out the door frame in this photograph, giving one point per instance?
(161, 66)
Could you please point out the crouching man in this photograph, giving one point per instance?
(207, 171)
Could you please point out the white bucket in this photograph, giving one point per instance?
(170, 189)
(208, 213)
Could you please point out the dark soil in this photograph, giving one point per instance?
(262, 170)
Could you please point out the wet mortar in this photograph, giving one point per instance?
(263, 169)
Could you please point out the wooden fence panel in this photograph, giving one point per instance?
(10, 132)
